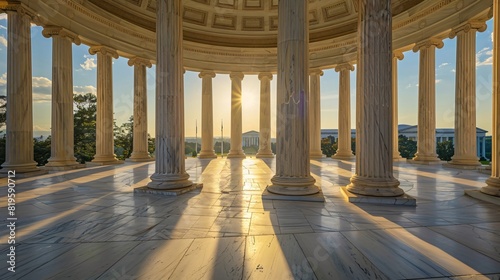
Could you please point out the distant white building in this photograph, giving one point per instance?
(410, 131)
(250, 138)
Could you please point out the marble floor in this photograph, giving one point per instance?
(89, 224)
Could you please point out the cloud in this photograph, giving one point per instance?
(438, 81)
(3, 27)
(3, 16)
(491, 37)
(484, 57)
(89, 63)
(443, 64)
(3, 41)
(42, 89)
(453, 70)
(40, 128)
(3, 79)
(84, 89)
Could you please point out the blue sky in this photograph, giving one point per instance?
(84, 77)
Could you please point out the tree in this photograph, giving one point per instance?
(327, 148)
(445, 150)
(124, 139)
(407, 147)
(3, 111)
(41, 149)
(85, 126)
(226, 147)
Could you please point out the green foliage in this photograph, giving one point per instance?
(327, 148)
(151, 145)
(194, 154)
(445, 150)
(217, 145)
(3, 111)
(85, 130)
(251, 150)
(41, 150)
(124, 139)
(407, 147)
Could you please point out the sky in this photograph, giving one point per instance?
(84, 81)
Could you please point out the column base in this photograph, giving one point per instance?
(264, 154)
(236, 154)
(343, 156)
(169, 181)
(104, 160)
(207, 154)
(55, 163)
(316, 154)
(63, 168)
(293, 186)
(21, 170)
(398, 157)
(138, 159)
(404, 199)
(426, 159)
(172, 192)
(493, 187)
(380, 187)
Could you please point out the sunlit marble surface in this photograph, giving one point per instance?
(88, 224)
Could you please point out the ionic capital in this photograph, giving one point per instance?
(50, 31)
(477, 25)
(344, 66)
(438, 43)
(236, 76)
(316, 72)
(265, 75)
(17, 7)
(206, 74)
(398, 55)
(138, 61)
(103, 50)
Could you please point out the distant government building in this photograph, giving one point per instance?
(410, 131)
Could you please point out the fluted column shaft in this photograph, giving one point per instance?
(19, 124)
(374, 172)
(170, 170)
(265, 116)
(236, 150)
(292, 138)
(465, 95)
(426, 136)
(398, 55)
(315, 114)
(140, 143)
(104, 118)
(207, 117)
(62, 127)
(493, 183)
(344, 150)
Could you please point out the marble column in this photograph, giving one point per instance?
(465, 95)
(19, 123)
(374, 171)
(140, 143)
(397, 55)
(344, 150)
(170, 167)
(426, 136)
(207, 116)
(315, 113)
(493, 183)
(236, 150)
(265, 116)
(62, 127)
(293, 175)
(105, 153)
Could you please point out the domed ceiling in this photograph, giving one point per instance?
(254, 22)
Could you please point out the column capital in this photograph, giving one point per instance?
(236, 75)
(207, 74)
(478, 25)
(139, 61)
(438, 43)
(17, 7)
(104, 50)
(398, 54)
(50, 31)
(316, 72)
(265, 75)
(344, 66)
